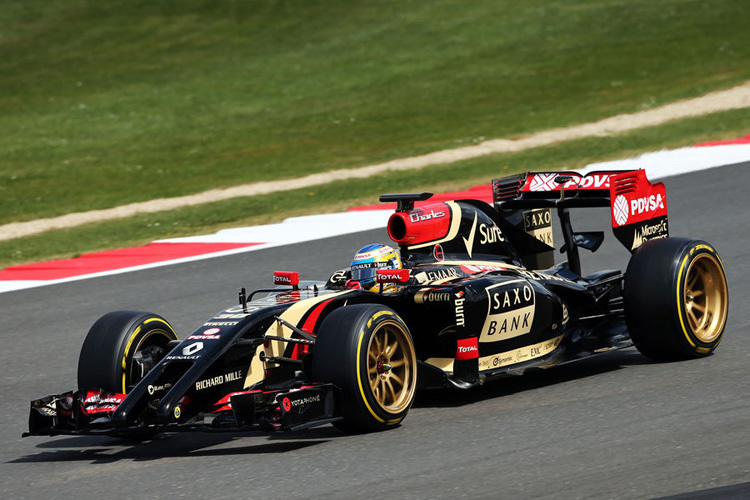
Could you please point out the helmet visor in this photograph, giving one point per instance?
(364, 272)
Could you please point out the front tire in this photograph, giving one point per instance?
(676, 298)
(368, 352)
(120, 348)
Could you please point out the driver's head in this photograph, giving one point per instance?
(371, 258)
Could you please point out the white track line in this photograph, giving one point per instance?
(663, 164)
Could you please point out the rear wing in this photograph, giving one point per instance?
(638, 208)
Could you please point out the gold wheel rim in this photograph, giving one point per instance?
(391, 367)
(706, 298)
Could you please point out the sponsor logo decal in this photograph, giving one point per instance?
(469, 242)
(650, 232)
(370, 265)
(458, 303)
(153, 388)
(501, 361)
(285, 278)
(379, 252)
(234, 315)
(490, 234)
(47, 411)
(337, 277)
(417, 217)
(536, 219)
(218, 380)
(221, 323)
(533, 275)
(192, 348)
(290, 403)
(543, 182)
(480, 268)
(646, 204)
(518, 355)
(424, 296)
(623, 210)
(95, 402)
(92, 397)
(437, 252)
(467, 349)
(620, 210)
(437, 275)
(626, 210)
(392, 275)
(210, 334)
(538, 223)
(510, 311)
(598, 181)
(113, 399)
(102, 409)
(546, 182)
(286, 297)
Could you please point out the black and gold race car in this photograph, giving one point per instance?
(478, 298)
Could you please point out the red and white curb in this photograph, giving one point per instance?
(300, 229)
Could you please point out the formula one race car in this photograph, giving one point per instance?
(477, 298)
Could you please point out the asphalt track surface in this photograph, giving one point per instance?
(613, 426)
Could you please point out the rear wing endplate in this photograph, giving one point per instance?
(638, 207)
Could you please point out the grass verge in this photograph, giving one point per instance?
(338, 196)
(107, 103)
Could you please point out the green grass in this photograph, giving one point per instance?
(340, 195)
(106, 103)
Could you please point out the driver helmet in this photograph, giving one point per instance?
(369, 259)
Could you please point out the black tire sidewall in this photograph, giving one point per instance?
(108, 349)
(654, 299)
(341, 357)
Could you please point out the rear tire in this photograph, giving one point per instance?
(107, 356)
(368, 352)
(676, 298)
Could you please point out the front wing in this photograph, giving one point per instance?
(89, 412)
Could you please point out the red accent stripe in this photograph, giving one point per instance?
(309, 326)
(111, 260)
(741, 140)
